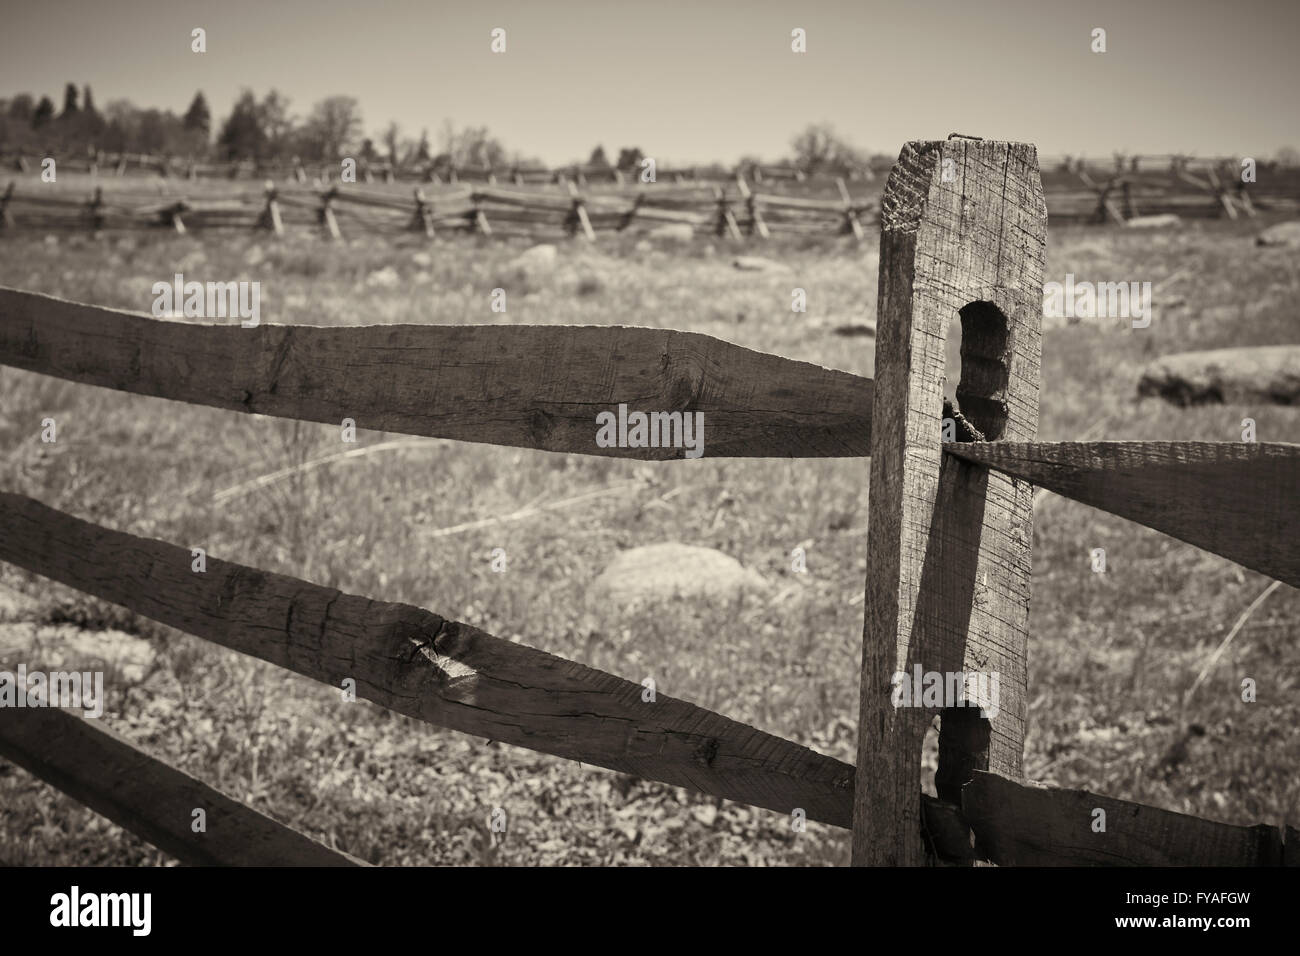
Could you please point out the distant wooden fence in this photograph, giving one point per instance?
(734, 207)
(735, 211)
(950, 528)
(439, 170)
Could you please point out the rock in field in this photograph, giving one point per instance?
(675, 231)
(758, 264)
(538, 259)
(662, 572)
(1269, 373)
(385, 278)
(1154, 222)
(1282, 234)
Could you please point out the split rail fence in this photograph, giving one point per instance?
(949, 536)
(733, 211)
(730, 207)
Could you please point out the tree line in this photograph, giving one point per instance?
(263, 130)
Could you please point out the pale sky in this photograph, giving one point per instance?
(704, 80)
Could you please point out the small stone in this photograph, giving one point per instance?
(385, 278)
(674, 231)
(758, 264)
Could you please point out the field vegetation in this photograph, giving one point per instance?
(1111, 655)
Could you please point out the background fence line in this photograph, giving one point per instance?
(580, 201)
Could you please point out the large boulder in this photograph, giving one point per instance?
(662, 572)
(1269, 373)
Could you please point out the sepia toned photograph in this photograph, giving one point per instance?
(615, 435)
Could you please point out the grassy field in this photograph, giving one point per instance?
(1110, 655)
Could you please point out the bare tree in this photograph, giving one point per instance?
(819, 148)
(334, 125)
(392, 137)
(275, 123)
(473, 145)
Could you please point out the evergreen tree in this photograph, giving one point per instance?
(198, 118)
(21, 108)
(43, 114)
(241, 135)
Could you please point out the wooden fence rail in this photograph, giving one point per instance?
(963, 237)
(1241, 501)
(419, 664)
(525, 386)
(149, 797)
(455, 676)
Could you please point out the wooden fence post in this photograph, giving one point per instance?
(6, 218)
(327, 219)
(756, 222)
(94, 210)
(963, 234)
(270, 218)
(851, 222)
(422, 221)
(1130, 206)
(578, 217)
(726, 221)
(478, 218)
(631, 213)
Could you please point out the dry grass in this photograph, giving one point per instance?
(1111, 655)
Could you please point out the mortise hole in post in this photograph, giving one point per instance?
(985, 368)
(963, 749)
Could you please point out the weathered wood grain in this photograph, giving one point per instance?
(1240, 500)
(963, 230)
(150, 797)
(1020, 825)
(526, 386)
(422, 665)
